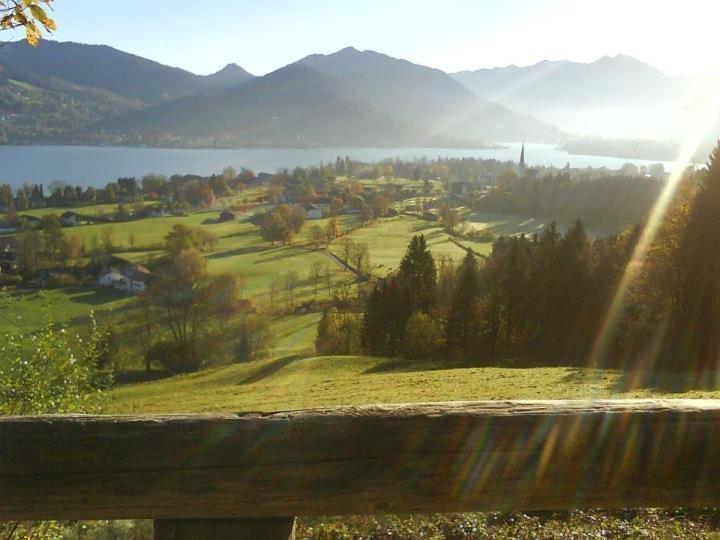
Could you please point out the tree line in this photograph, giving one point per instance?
(545, 299)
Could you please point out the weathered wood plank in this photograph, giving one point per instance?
(440, 457)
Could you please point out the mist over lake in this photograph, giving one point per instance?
(98, 165)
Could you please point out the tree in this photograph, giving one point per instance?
(180, 290)
(315, 236)
(297, 218)
(423, 337)
(255, 338)
(107, 240)
(336, 206)
(123, 212)
(361, 257)
(22, 202)
(315, 275)
(345, 247)
(273, 291)
(27, 14)
(693, 343)
(417, 276)
(332, 230)
(229, 174)
(290, 283)
(147, 328)
(53, 237)
(463, 317)
(180, 238)
(380, 205)
(338, 333)
(29, 250)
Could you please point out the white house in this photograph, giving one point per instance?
(70, 219)
(133, 279)
(313, 211)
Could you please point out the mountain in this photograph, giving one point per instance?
(616, 96)
(347, 98)
(100, 66)
(50, 94)
(69, 92)
(229, 76)
(295, 105)
(427, 98)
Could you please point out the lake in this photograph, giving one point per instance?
(98, 165)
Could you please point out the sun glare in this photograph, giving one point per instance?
(700, 127)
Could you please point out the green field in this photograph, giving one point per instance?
(499, 224)
(296, 381)
(72, 306)
(387, 241)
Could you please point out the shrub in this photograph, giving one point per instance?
(338, 333)
(256, 338)
(60, 281)
(10, 280)
(171, 357)
(423, 337)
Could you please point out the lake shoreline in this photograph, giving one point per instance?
(98, 165)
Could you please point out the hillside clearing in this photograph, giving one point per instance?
(295, 382)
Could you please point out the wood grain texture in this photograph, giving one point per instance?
(436, 457)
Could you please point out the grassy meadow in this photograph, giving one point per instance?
(301, 381)
(291, 377)
(388, 238)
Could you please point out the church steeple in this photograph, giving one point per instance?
(522, 156)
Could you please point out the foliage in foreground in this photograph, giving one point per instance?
(576, 524)
(477, 526)
(49, 371)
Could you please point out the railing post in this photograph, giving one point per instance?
(280, 528)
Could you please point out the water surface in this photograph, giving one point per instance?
(98, 165)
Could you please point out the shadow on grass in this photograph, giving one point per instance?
(401, 365)
(428, 226)
(668, 382)
(97, 297)
(136, 376)
(273, 367)
(241, 234)
(239, 251)
(283, 254)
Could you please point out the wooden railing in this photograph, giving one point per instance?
(246, 475)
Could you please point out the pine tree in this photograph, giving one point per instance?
(463, 320)
(696, 315)
(418, 277)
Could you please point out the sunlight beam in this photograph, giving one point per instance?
(701, 126)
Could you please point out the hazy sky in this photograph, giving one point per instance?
(678, 37)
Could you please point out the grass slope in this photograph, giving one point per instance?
(387, 241)
(294, 382)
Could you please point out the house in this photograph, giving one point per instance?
(70, 219)
(8, 244)
(32, 221)
(323, 204)
(139, 277)
(487, 179)
(151, 211)
(225, 215)
(312, 211)
(8, 253)
(460, 188)
(133, 279)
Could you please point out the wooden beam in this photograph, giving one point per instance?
(439, 457)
